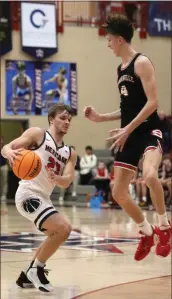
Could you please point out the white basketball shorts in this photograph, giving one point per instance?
(34, 207)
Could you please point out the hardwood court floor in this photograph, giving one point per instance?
(96, 262)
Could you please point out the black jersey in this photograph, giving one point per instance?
(133, 98)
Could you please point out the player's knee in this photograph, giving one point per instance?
(120, 195)
(64, 229)
(150, 177)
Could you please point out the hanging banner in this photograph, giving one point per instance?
(32, 87)
(5, 28)
(38, 29)
(160, 19)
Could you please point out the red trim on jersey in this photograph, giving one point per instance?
(125, 165)
(150, 148)
(157, 133)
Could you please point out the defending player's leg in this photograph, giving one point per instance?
(152, 160)
(121, 195)
(58, 230)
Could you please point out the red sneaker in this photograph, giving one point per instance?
(145, 245)
(164, 245)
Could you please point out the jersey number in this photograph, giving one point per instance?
(53, 164)
(124, 90)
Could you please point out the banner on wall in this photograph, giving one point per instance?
(32, 87)
(38, 29)
(160, 21)
(5, 28)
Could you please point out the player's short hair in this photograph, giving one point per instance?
(21, 66)
(63, 70)
(118, 24)
(58, 108)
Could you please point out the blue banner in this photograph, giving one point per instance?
(160, 19)
(32, 87)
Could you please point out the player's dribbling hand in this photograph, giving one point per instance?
(12, 155)
(91, 114)
(119, 136)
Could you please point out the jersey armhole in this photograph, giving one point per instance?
(70, 152)
(135, 61)
(37, 147)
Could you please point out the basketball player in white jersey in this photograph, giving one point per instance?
(61, 91)
(33, 197)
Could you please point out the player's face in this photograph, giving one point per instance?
(115, 43)
(62, 122)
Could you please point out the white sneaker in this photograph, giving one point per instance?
(37, 276)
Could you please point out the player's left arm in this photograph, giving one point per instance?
(145, 71)
(66, 179)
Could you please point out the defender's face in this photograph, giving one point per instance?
(115, 43)
(62, 122)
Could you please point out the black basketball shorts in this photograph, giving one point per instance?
(135, 147)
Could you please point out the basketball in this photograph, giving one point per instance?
(27, 165)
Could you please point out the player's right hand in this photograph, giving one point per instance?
(91, 114)
(12, 155)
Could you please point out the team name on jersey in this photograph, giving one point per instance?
(126, 78)
(55, 154)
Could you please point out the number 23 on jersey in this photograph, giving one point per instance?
(53, 164)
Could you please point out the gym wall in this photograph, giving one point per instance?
(96, 69)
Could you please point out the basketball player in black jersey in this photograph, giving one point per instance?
(138, 136)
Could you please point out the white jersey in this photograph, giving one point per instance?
(51, 156)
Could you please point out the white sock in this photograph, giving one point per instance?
(163, 221)
(144, 198)
(28, 267)
(38, 263)
(145, 227)
(137, 200)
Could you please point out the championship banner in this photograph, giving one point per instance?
(32, 87)
(5, 28)
(160, 20)
(38, 29)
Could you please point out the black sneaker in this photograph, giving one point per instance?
(23, 281)
(37, 276)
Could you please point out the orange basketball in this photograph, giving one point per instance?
(27, 165)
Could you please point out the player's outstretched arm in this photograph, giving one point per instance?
(32, 136)
(66, 179)
(144, 69)
(53, 79)
(92, 115)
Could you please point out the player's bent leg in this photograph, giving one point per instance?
(23, 281)
(58, 230)
(120, 193)
(151, 164)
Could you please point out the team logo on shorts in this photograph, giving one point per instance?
(31, 205)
